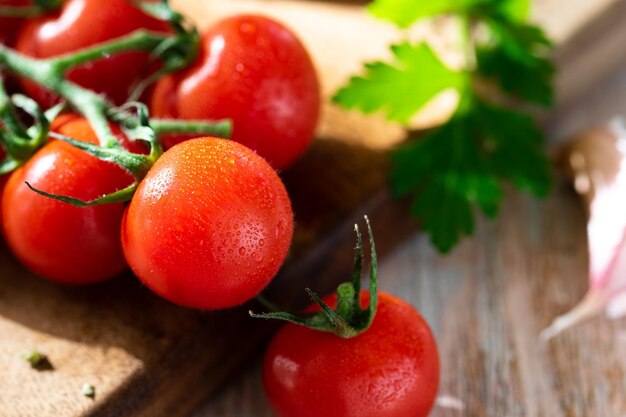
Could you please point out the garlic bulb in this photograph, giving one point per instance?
(596, 163)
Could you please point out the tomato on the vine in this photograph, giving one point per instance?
(56, 240)
(389, 370)
(209, 226)
(10, 25)
(254, 71)
(83, 23)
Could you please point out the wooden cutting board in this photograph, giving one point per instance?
(146, 357)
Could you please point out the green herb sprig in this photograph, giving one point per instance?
(463, 164)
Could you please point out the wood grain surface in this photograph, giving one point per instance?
(148, 358)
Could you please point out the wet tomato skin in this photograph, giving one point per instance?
(3, 181)
(390, 370)
(254, 71)
(209, 226)
(80, 24)
(55, 240)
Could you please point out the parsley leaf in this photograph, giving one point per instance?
(516, 10)
(518, 61)
(448, 178)
(401, 87)
(406, 12)
(461, 167)
(516, 148)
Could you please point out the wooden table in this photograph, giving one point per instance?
(489, 299)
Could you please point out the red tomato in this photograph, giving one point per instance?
(56, 240)
(9, 26)
(83, 23)
(3, 178)
(255, 71)
(209, 226)
(390, 370)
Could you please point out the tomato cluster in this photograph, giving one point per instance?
(82, 23)
(225, 220)
(210, 222)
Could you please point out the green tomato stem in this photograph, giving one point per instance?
(18, 142)
(348, 319)
(51, 74)
(52, 77)
(120, 196)
(136, 164)
(175, 50)
(219, 128)
(346, 296)
(7, 114)
(139, 40)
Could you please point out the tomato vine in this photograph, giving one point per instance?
(174, 50)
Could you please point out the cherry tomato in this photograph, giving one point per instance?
(56, 240)
(256, 72)
(83, 23)
(8, 25)
(390, 370)
(209, 226)
(3, 178)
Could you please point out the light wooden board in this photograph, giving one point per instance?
(149, 358)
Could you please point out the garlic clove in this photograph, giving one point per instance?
(596, 163)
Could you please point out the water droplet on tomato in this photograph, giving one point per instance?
(280, 227)
(248, 27)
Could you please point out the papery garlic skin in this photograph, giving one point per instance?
(596, 162)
